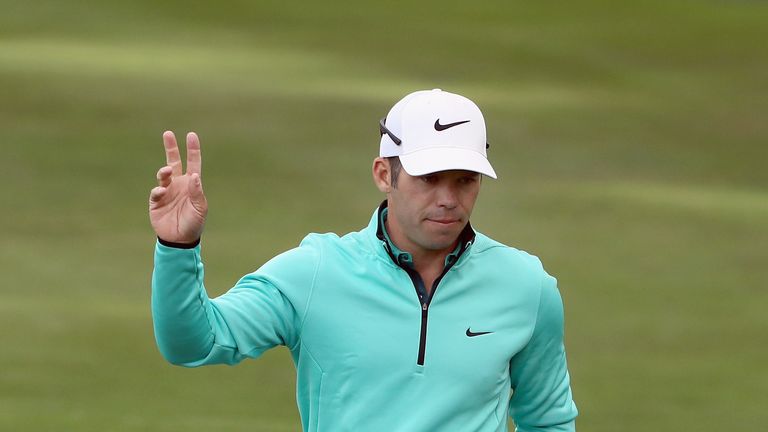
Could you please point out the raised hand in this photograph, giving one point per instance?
(177, 206)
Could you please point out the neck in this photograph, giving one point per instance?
(423, 259)
(430, 267)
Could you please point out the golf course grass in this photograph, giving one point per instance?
(630, 140)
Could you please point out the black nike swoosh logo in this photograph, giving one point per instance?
(470, 333)
(440, 127)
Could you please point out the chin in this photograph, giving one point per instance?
(440, 242)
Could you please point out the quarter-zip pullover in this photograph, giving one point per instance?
(371, 352)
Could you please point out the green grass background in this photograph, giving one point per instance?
(630, 141)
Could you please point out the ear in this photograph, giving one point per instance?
(381, 175)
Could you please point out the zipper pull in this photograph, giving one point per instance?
(424, 306)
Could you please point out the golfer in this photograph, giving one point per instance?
(417, 322)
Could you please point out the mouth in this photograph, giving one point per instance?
(444, 222)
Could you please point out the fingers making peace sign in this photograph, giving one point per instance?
(177, 206)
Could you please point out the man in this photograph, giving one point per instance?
(415, 323)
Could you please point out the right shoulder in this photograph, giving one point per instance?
(301, 260)
(291, 274)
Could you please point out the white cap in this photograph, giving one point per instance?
(437, 131)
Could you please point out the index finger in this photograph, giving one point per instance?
(172, 156)
(194, 160)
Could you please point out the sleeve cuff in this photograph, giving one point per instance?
(179, 245)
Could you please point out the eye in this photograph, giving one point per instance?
(468, 179)
(429, 178)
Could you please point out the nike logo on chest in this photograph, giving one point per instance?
(470, 333)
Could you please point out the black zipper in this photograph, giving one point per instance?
(423, 337)
(425, 302)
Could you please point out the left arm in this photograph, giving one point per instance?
(541, 399)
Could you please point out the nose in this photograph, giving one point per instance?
(447, 196)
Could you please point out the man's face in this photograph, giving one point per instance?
(427, 213)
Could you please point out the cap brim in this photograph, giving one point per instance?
(434, 159)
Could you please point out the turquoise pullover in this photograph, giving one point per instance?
(372, 351)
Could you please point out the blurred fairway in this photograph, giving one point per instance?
(630, 142)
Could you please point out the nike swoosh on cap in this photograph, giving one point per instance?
(441, 127)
